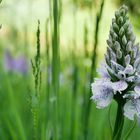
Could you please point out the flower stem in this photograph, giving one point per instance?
(119, 122)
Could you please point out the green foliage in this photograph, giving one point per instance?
(93, 67)
(51, 101)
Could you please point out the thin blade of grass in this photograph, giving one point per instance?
(109, 119)
(93, 68)
(130, 130)
(55, 67)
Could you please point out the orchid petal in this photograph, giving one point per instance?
(137, 89)
(132, 108)
(102, 93)
(129, 70)
(102, 70)
(119, 85)
(130, 79)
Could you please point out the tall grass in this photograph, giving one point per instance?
(74, 77)
(93, 67)
(59, 107)
(55, 67)
(86, 55)
(35, 97)
(13, 112)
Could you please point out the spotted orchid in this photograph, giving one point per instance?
(120, 71)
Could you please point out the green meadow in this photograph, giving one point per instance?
(49, 53)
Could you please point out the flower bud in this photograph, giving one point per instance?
(126, 25)
(115, 27)
(117, 45)
(137, 63)
(122, 12)
(109, 42)
(129, 44)
(121, 75)
(129, 30)
(117, 66)
(129, 70)
(119, 54)
(135, 50)
(127, 60)
(120, 20)
(126, 18)
(113, 56)
(124, 41)
(117, 14)
(115, 36)
(121, 32)
(128, 49)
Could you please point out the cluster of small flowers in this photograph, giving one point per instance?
(120, 72)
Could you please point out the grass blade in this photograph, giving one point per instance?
(93, 68)
(130, 130)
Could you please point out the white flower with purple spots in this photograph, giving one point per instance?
(104, 90)
(120, 73)
(132, 108)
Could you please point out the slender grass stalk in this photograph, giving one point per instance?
(46, 113)
(55, 67)
(86, 41)
(86, 56)
(94, 54)
(74, 98)
(75, 78)
(51, 124)
(37, 82)
(93, 68)
(48, 47)
(47, 61)
(55, 49)
(60, 11)
(50, 18)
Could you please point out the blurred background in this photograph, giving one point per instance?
(45, 83)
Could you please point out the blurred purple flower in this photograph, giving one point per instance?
(8, 61)
(18, 64)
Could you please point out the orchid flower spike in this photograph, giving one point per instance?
(120, 71)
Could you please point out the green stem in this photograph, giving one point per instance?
(93, 71)
(119, 122)
(55, 68)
